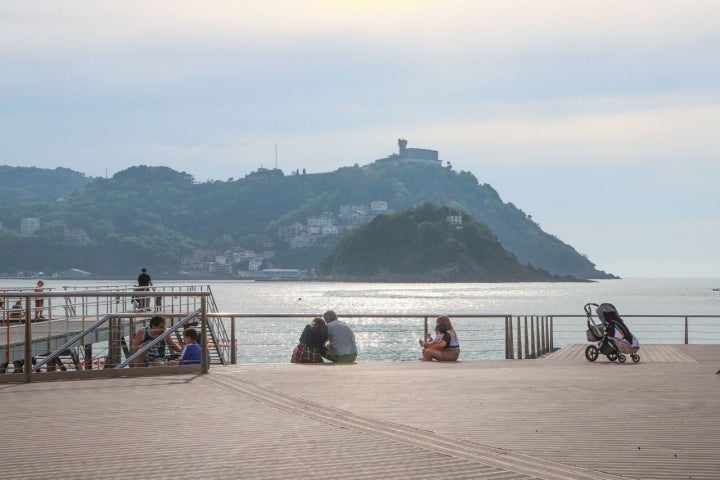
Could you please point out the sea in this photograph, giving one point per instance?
(644, 303)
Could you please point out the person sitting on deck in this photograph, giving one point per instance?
(155, 356)
(313, 338)
(450, 344)
(341, 340)
(16, 312)
(192, 353)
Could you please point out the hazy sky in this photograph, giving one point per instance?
(599, 118)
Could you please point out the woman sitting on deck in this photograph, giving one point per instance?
(309, 349)
(450, 344)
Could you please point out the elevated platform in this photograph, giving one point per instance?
(48, 335)
(500, 419)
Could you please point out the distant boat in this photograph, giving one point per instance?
(716, 289)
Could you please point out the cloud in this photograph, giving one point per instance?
(491, 26)
(639, 248)
(540, 98)
(652, 137)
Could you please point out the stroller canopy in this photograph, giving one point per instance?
(609, 316)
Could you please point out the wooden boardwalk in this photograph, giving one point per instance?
(557, 418)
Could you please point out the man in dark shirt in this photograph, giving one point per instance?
(144, 283)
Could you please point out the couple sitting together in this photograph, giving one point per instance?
(326, 337)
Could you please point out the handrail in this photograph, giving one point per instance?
(99, 306)
(159, 338)
(526, 336)
(220, 338)
(72, 341)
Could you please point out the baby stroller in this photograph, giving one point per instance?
(613, 337)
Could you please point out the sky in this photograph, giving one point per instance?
(601, 119)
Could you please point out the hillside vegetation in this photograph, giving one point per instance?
(31, 185)
(153, 216)
(421, 244)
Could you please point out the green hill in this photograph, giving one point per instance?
(30, 184)
(155, 216)
(422, 244)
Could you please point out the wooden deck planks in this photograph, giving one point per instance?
(490, 420)
(648, 354)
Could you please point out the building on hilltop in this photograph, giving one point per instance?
(378, 206)
(28, 226)
(266, 173)
(420, 156)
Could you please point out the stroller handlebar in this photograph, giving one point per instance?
(588, 308)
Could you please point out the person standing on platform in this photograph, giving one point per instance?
(341, 340)
(144, 283)
(39, 302)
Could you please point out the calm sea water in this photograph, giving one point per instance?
(271, 340)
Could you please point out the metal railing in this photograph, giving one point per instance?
(33, 346)
(270, 337)
(657, 328)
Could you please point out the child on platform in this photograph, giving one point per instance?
(433, 343)
(192, 353)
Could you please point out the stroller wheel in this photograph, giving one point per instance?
(612, 356)
(591, 353)
(635, 358)
(622, 358)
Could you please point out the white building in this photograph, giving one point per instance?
(28, 226)
(254, 265)
(347, 210)
(377, 206)
(330, 230)
(454, 219)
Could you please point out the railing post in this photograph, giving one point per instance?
(519, 341)
(233, 342)
(510, 355)
(532, 335)
(89, 356)
(552, 334)
(28, 367)
(506, 340)
(527, 344)
(686, 330)
(537, 336)
(203, 334)
(113, 357)
(545, 334)
(425, 330)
